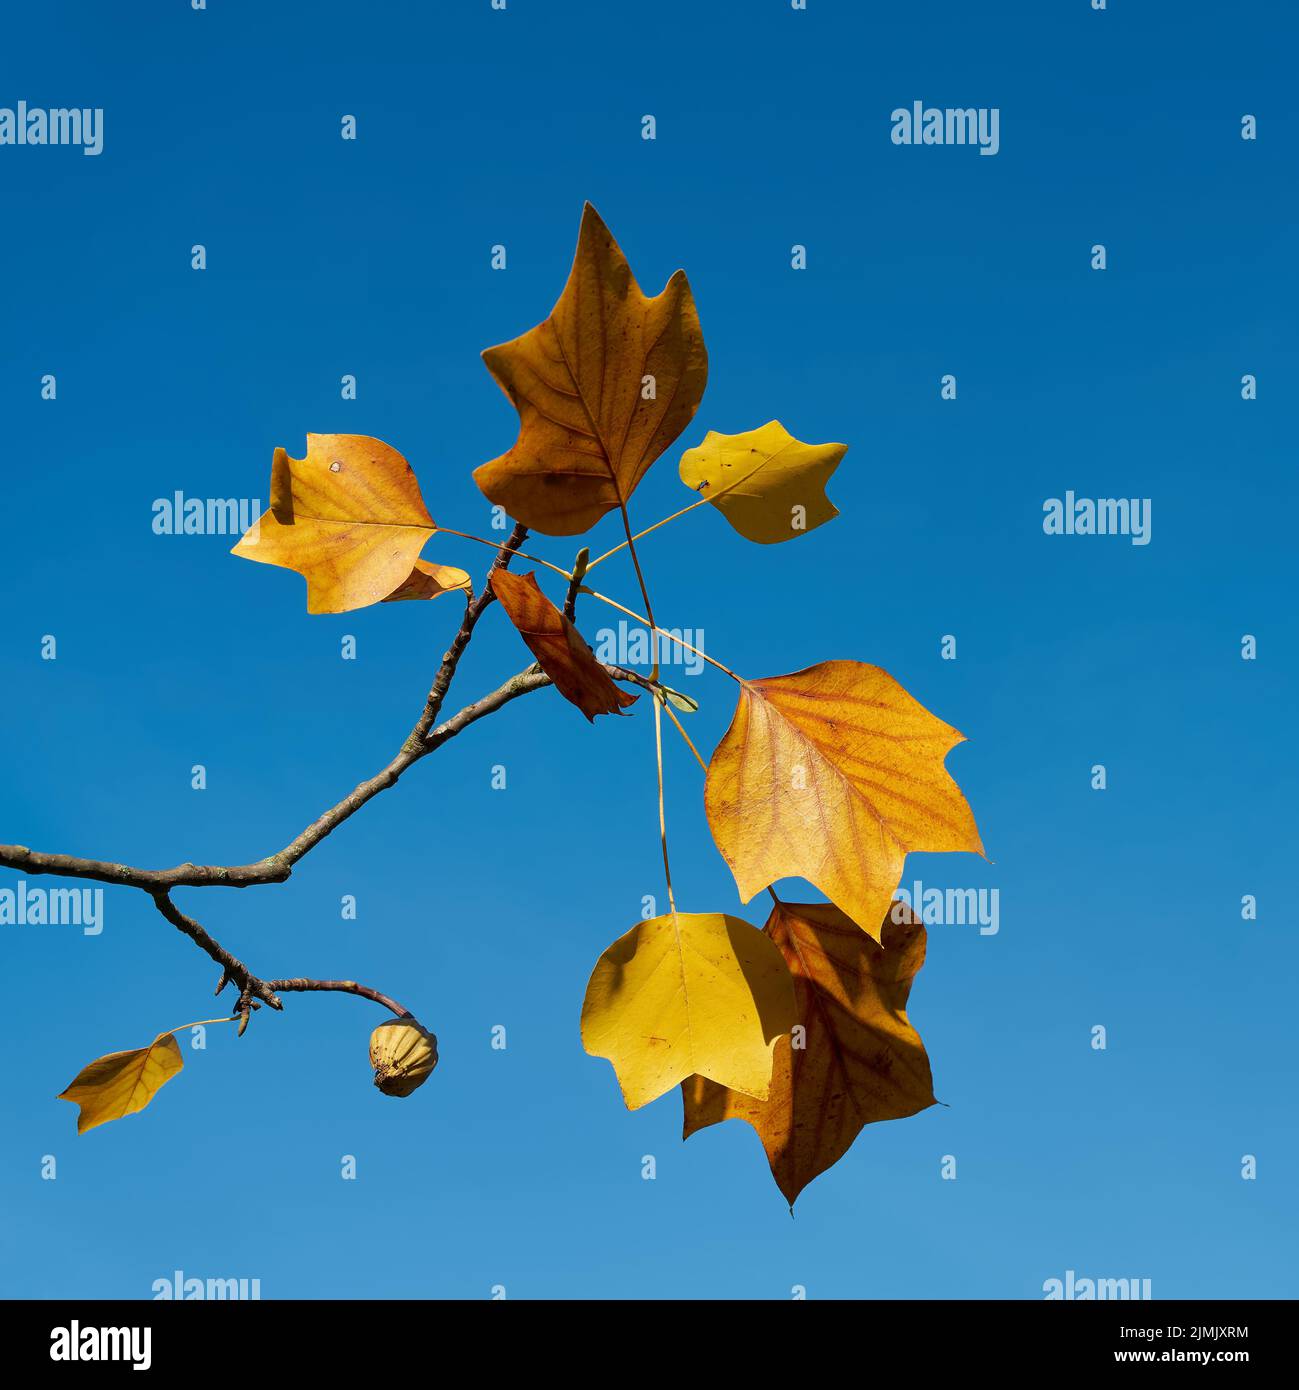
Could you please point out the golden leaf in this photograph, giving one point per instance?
(758, 479)
(860, 1059)
(688, 993)
(560, 649)
(602, 387)
(349, 518)
(834, 774)
(122, 1082)
(427, 580)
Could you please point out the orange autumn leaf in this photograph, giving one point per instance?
(349, 518)
(602, 387)
(560, 649)
(834, 774)
(860, 1060)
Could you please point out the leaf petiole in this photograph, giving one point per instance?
(667, 709)
(202, 1023)
(622, 545)
(496, 545)
(671, 637)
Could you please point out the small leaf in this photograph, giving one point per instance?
(860, 1060)
(688, 993)
(682, 702)
(602, 387)
(427, 580)
(560, 649)
(834, 774)
(767, 484)
(349, 518)
(122, 1082)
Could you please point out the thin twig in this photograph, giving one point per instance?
(423, 738)
(232, 969)
(277, 867)
(580, 567)
(426, 735)
(344, 986)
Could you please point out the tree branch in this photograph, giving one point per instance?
(346, 987)
(277, 867)
(426, 735)
(252, 991)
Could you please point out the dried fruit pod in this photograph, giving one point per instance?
(403, 1053)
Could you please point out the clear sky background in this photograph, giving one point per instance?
(478, 908)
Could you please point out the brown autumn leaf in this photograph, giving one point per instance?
(834, 774)
(602, 387)
(349, 518)
(560, 649)
(860, 1059)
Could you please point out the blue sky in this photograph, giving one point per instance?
(521, 1168)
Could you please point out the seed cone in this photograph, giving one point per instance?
(403, 1053)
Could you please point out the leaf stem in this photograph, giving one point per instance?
(644, 591)
(622, 545)
(667, 709)
(663, 824)
(671, 637)
(496, 545)
(201, 1023)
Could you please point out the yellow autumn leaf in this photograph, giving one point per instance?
(602, 387)
(427, 580)
(122, 1083)
(349, 518)
(859, 1060)
(685, 994)
(834, 774)
(767, 484)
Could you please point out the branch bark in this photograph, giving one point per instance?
(344, 986)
